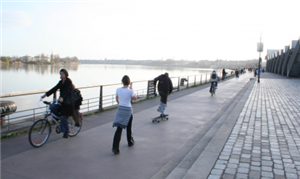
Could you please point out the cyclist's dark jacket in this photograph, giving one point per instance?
(65, 89)
(164, 84)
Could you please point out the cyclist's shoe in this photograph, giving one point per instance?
(216, 87)
(131, 143)
(77, 125)
(115, 151)
(66, 135)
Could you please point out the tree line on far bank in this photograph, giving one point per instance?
(41, 58)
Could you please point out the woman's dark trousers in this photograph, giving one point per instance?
(118, 135)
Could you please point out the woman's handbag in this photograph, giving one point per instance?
(71, 98)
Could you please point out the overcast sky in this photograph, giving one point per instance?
(156, 29)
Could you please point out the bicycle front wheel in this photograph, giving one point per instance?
(39, 133)
(74, 130)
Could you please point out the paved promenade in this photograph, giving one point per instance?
(265, 141)
(246, 130)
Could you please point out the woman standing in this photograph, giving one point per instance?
(123, 118)
(65, 86)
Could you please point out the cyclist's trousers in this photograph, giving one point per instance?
(64, 124)
(212, 84)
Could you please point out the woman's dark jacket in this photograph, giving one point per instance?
(65, 89)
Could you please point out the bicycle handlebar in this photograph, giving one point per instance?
(49, 103)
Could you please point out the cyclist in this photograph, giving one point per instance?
(165, 87)
(214, 79)
(65, 86)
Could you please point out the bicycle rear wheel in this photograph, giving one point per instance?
(74, 130)
(39, 133)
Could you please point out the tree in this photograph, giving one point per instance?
(74, 59)
(5, 59)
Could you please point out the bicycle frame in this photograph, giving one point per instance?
(47, 114)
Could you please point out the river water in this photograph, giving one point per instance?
(24, 78)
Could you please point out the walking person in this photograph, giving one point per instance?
(65, 87)
(236, 74)
(124, 115)
(223, 74)
(165, 88)
(255, 73)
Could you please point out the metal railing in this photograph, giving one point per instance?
(105, 100)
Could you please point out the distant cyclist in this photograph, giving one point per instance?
(214, 79)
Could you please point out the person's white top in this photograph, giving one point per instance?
(125, 95)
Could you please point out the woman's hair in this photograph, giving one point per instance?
(126, 80)
(65, 72)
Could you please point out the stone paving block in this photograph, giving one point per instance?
(230, 171)
(255, 168)
(236, 161)
(289, 165)
(266, 163)
(216, 172)
(231, 165)
(279, 177)
(244, 165)
(291, 175)
(290, 170)
(245, 160)
(267, 174)
(241, 175)
(279, 172)
(222, 162)
(277, 161)
(214, 177)
(255, 163)
(278, 166)
(267, 169)
(220, 166)
(228, 176)
(254, 174)
(243, 170)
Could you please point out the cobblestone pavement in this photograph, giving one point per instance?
(265, 141)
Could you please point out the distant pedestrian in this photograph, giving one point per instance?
(223, 74)
(124, 115)
(236, 74)
(255, 73)
(165, 87)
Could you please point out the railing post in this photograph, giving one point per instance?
(178, 84)
(195, 81)
(200, 79)
(88, 105)
(101, 99)
(187, 86)
(205, 78)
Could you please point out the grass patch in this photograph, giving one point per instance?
(13, 134)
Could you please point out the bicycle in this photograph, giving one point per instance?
(213, 89)
(41, 129)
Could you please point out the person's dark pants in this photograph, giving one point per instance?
(64, 126)
(118, 135)
(163, 97)
(216, 83)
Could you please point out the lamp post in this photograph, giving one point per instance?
(260, 47)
